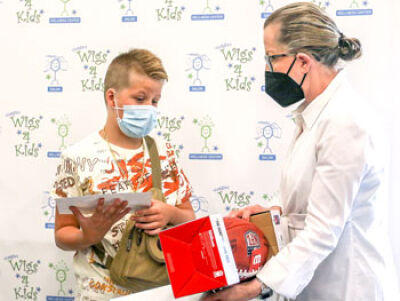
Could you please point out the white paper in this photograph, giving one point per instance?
(163, 293)
(87, 204)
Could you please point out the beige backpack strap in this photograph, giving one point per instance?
(155, 161)
(156, 183)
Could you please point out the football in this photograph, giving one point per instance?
(249, 246)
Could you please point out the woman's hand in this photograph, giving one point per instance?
(239, 292)
(155, 218)
(246, 212)
(95, 227)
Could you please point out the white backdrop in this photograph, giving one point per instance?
(231, 138)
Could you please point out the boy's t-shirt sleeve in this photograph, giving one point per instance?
(180, 183)
(66, 183)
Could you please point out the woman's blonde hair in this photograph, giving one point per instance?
(307, 28)
(140, 61)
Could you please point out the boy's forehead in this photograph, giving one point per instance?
(141, 81)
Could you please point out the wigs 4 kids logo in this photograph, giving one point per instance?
(61, 269)
(265, 132)
(25, 125)
(208, 152)
(355, 8)
(65, 14)
(127, 11)
(54, 65)
(29, 14)
(167, 126)
(233, 199)
(235, 59)
(208, 10)
(24, 270)
(170, 11)
(91, 61)
(196, 64)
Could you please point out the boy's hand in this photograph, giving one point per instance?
(94, 227)
(155, 218)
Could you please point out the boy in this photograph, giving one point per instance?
(120, 162)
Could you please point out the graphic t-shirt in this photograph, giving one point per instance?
(88, 167)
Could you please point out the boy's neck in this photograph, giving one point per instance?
(112, 133)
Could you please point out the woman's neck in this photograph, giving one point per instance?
(319, 80)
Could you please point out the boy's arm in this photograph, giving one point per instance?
(155, 218)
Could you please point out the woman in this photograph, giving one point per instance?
(333, 177)
(118, 162)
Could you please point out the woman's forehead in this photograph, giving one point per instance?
(271, 37)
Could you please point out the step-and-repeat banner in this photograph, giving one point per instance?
(230, 137)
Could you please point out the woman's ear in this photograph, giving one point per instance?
(306, 62)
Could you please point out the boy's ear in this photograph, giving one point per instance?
(110, 98)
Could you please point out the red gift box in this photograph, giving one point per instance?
(198, 256)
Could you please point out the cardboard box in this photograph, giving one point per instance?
(269, 223)
(198, 256)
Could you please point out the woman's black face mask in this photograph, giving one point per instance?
(282, 88)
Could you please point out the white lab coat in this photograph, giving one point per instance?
(333, 199)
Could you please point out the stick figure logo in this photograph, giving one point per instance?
(206, 125)
(268, 8)
(54, 64)
(128, 14)
(63, 125)
(128, 8)
(209, 12)
(65, 14)
(197, 62)
(206, 131)
(49, 209)
(61, 270)
(207, 9)
(199, 204)
(322, 4)
(266, 131)
(356, 8)
(65, 11)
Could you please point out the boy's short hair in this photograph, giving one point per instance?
(140, 61)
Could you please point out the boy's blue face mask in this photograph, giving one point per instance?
(137, 120)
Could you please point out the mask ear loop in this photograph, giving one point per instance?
(116, 107)
(290, 68)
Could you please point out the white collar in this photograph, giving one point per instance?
(309, 112)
